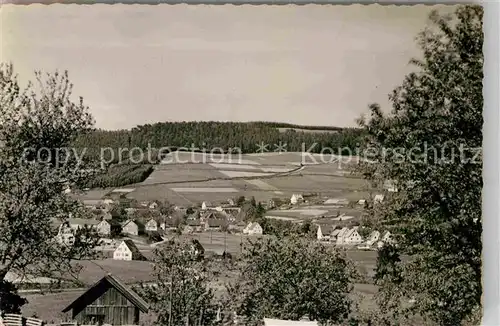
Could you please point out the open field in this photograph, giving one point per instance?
(263, 176)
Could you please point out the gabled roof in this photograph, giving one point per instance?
(136, 253)
(213, 222)
(326, 229)
(97, 290)
(128, 222)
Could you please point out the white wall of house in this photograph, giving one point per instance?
(131, 228)
(253, 229)
(373, 238)
(353, 237)
(104, 228)
(122, 252)
(151, 225)
(341, 235)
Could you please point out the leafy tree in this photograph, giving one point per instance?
(182, 295)
(430, 146)
(240, 201)
(291, 278)
(10, 301)
(37, 126)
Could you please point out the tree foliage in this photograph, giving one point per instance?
(199, 135)
(430, 146)
(181, 295)
(291, 278)
(37, 125)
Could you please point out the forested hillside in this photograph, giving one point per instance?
(225, 135)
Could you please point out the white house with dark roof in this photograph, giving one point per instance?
(151, 225)
(373, 238)
(352, 237)
(130, 227)
(340, 236)
(296, 198)
(253, 228)
(127, 250)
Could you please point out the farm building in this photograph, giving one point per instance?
(108, 301)
(296, 198)
(253, 228)
(130, 227)
(378, 198)
(325, 231)
(127, 250)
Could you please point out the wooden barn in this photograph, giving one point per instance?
(109, 301)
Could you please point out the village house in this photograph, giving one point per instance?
(130, 211)
(130, 227)
(352, 237)
(104, 228)
(151, 225)
(154, 205)
(193, 226)
(325, 231)
(127, 250)
(361, 201)
(214, 224)
(253, 228)
(296, 198)
(340, 236)
(78, 223)
(237, 228)
(378, 198)
(206, 205)
(169, 224)
(93, 203)
(373, 238)
(387, 237)
(390, 186)
(108, 201)
(108, 301)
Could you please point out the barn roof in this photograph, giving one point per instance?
(99, 288)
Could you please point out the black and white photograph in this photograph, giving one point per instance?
(250, 165)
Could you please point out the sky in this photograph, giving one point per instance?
(136, 64)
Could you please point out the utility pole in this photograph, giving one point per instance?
(225, 247)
